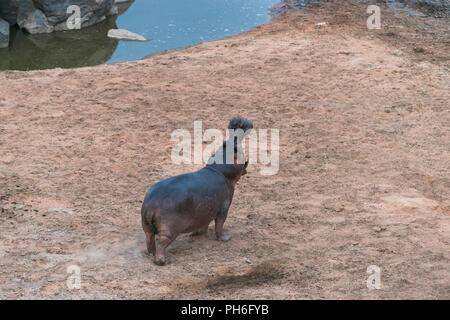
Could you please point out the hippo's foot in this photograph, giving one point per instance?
(223, 237)
(151, 251)
(160, 262)
(161, 245)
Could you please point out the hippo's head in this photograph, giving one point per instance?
(229, 158)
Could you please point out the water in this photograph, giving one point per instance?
(169, 23)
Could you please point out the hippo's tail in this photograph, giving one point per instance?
(148, 218)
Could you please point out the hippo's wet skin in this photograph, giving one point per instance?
(189, 202)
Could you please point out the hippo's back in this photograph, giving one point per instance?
(204, 189)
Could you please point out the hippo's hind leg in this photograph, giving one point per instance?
(149, 237)
(161, 244)
(220, 220)
(150, 240)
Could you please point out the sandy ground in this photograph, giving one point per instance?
(364, 165)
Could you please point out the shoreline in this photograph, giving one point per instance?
(422, 11)
(287, 11)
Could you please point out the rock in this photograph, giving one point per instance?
(123, 5)
(332, 206)
(8, 10)
(35, 22)
(62, 210)
(378, 229)
(114, 11)
(31, 13)
(12, 10)
(4, 33)
(92, 12)
(409, 202)
(123, 34)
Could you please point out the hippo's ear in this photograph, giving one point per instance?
(240, 123)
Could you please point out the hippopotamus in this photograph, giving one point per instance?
(189, 202)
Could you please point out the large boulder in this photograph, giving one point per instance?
(35, 21)
(43, 16)
(4, 33)
(92, 11)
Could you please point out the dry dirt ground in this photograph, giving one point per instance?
(364, 165)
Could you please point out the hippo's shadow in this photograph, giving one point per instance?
(264, 272)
